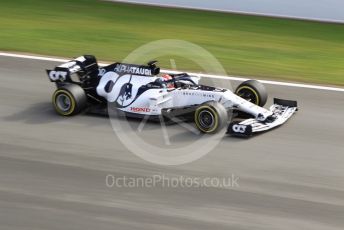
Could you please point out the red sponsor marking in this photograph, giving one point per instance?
(140, 110)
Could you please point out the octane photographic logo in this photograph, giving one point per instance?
(159, 142)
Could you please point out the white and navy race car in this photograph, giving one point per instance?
(141, 91)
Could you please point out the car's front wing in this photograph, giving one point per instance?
(282, 111)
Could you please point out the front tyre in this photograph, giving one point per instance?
(253, 91)
(210, 117)
(69, 100)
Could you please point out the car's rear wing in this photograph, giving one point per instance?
(86, 65)
(83, 65)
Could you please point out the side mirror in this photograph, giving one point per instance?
(153, 67)
(151, 63)
(156, 70)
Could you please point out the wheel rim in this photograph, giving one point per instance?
(63, 102)
(249, 95)
(206, 119)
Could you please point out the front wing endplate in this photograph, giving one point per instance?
(282, 111)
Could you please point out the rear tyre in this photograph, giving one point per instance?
(69, 100)
(253, 91)
(210, 117)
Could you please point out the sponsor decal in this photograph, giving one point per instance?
(129, 69)
(101, 72)
(125, 92)
(200, 94)
(116, 89)
(239, 128)
(140, 109)
(58, 75)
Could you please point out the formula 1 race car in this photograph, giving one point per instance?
(141, 91)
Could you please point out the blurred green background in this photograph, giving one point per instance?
(245, 45)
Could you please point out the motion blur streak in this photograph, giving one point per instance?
(53, 169)
(320, 10)
(32, 57)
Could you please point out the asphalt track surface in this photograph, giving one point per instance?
(53, 169)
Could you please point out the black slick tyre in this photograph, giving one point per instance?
(210, 117)
(69, 100)
(253, 91)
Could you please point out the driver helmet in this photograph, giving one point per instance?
(167, 77)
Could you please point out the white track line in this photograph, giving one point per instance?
(41, 58)
(299, 85)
